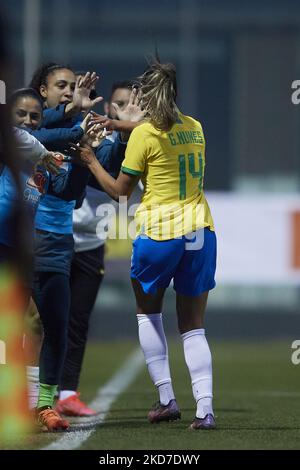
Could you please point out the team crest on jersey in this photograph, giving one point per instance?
(37, 181)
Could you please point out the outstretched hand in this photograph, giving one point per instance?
(83, 87)
(133, 111)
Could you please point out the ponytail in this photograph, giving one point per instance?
(158, 93)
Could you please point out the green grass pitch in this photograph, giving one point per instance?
(256, 400)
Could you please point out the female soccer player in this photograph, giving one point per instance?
(27, 112)
(63, 99)
(62, 95)
(175, 238)
(27, 109)
(87, 272)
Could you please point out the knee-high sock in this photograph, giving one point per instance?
(198, 359)
(33, 386)
(154, 345)
(46, 395)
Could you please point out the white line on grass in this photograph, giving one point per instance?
(105, 397)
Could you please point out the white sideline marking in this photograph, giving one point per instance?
(105, 397)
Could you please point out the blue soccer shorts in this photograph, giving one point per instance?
(189, 260)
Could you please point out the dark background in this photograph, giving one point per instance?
(235, 61)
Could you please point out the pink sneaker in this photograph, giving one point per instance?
(72, 406)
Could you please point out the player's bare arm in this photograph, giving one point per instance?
(122, 186)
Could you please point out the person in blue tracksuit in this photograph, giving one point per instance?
(64, 101)
(27, 112)
(53, 245)
(87, 272)
(33, 185)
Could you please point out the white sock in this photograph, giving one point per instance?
(198, 359)
(32, 386)
(154, 345)
(63, 394)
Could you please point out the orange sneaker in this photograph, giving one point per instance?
(72, 406)
(49, 420)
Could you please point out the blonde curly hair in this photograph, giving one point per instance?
(158, 90)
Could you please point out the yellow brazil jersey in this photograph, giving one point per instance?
(171, 166)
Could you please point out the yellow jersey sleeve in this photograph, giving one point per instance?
(136, 152)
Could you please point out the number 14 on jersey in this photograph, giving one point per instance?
(187, 163)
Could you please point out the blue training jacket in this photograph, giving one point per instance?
(56, 132)
(55, 214)
(35, 187)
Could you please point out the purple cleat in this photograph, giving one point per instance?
(208, 422)
(169, 412)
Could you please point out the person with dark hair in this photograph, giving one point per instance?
(27, 111)
(62, 94)
(175, 238)
(119, 95)
(26, 107)
(87, 271)
(64, 98)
